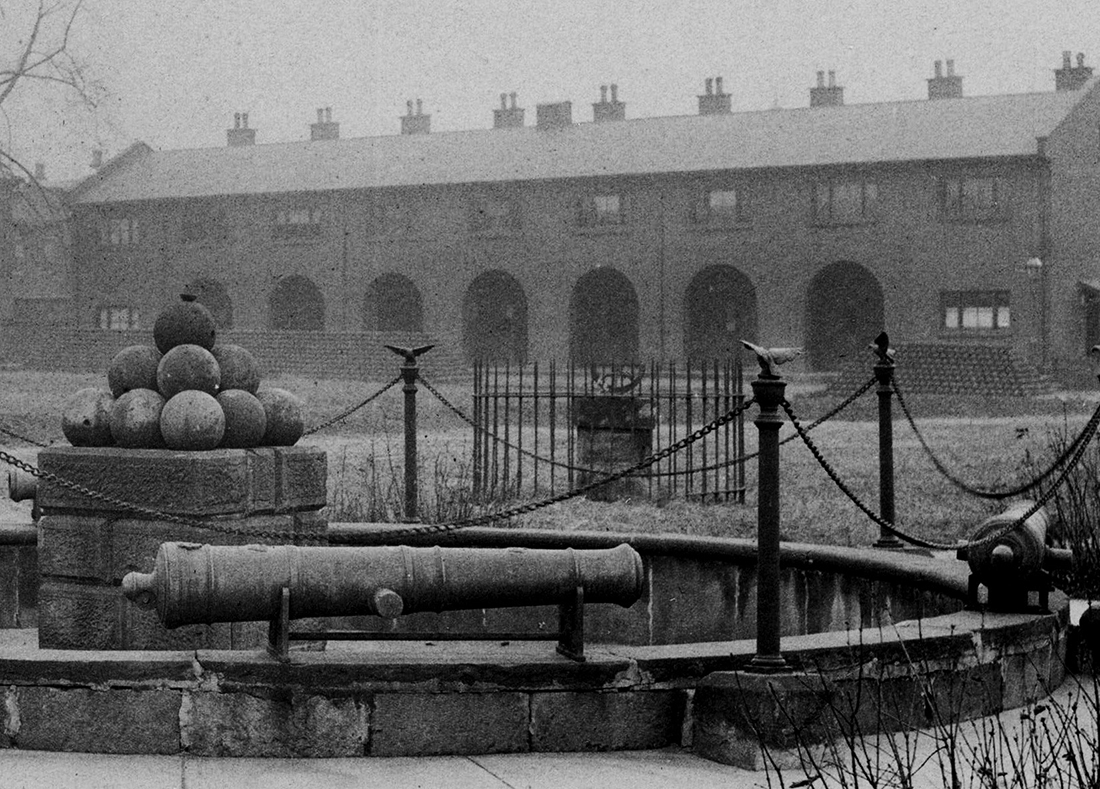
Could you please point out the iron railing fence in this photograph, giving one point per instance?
(540, 429)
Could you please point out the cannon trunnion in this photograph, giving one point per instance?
(204, 584)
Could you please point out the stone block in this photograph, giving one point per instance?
(77, 616)
(427, 724)
(18, 586)
(217, 482)
(107, 721)
(284, 725)
(635, 720)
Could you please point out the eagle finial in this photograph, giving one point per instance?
(771, 358)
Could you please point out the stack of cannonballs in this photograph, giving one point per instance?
(186, 393)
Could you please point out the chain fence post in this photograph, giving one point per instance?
(884, 374)
(410, 372)
(768, 389)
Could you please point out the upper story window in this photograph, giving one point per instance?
(976, 311)
(973, 199)
(845, 202)
(119, 318)
(292, 224)
(494, 214)
(204, 223)
(600, 210)
(721, 207)
(119, 231)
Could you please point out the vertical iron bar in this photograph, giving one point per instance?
(884, 374)
(519, 433)
(552, 415)
(769, 396)
(570, 435)
(689, 427)
(535, 399)
(477, 421)
(496, 429)
(506, 448)
(703, 443)
(673, 416)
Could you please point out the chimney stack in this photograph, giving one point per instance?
(417, 123)
(325, 128)
(945, 87)
(715, 101)
(604, 110)
(558, 115)
(97, 159)
(240, 134)
(1071, 77)
(508, 117)
(823, 95)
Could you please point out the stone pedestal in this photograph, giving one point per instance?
(273, 494)
(756, 721)
(613, 433)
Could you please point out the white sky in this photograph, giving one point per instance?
(176, 71)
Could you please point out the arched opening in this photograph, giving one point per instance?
(296, 303)
(494, 319)
(719, 312)
(393, 304)
(212, 294)
(845, 313)
(603, 318)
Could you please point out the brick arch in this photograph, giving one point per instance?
(296, 303)
(393, 304)
(494, 318)
(719, 312)
(603, 317)
(844, 312)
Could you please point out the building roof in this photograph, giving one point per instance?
(960, 128)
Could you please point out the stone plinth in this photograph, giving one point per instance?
(234, 496)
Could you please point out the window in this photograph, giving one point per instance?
(204, 223)
(721, 207)
(845, 202)
(119, 231)
(494, 214)
(971, 199)
(600, 210)
(119, 318)
(976, 311)
(292, 224)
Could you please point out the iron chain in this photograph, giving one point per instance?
(8, 432)
(973, 491)
(353, 409)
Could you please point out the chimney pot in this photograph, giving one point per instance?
(328, 114)
(244, 120)
(614, 92)
(419, 107)
(603, 94)
(409, 108)
(1080, 59)
(512, 96)
(1066, 58)
(939, 69)
(832, 79)
(504, 101)
(718, 86)
(821, 79)
(320, 115)
(236, 120)
(950, 68)
(710, 86)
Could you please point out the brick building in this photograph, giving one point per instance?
(950, 219)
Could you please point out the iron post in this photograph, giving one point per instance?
(884, 374)
(410, 372)
(768, 391)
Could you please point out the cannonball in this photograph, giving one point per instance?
(188, 367)
(285, 423)
(192, 420)
(245, 419)
(185, 323)
(134, 367)
(135, 419)
(86, 418)
(239, 367)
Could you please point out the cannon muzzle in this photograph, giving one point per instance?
(203, 584)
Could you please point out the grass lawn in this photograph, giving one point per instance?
(366, 471)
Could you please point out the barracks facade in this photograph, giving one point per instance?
(949, 219)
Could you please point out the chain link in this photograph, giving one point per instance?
(8, 432)
(150, 512)
(996, 495)
(523, 509)
(1047, 495)
(354, 408)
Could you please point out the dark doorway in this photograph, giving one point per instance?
(844, 314)
(393, 304)
(603, 318)
(212, 295)
(297, 304)
(494, 318)
(719, 312)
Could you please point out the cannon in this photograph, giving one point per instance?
(203, 584)
(1014, 565)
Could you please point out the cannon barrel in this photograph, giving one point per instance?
(1015, 556)
(203, 584)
